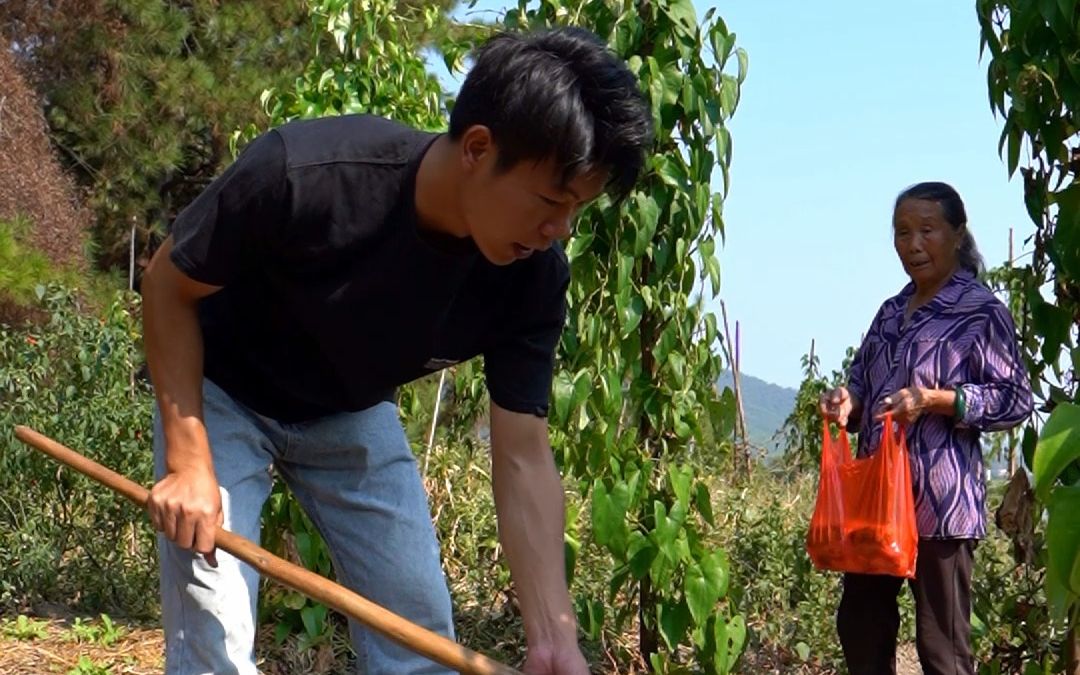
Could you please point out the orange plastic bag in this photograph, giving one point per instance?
(864, 518)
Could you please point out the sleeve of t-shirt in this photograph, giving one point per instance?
(520, 367)
(223, 229)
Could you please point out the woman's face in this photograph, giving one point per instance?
(925, 242)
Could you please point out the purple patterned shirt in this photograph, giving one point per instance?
(963, 337)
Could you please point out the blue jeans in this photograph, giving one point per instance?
(356, 478)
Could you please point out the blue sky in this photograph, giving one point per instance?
(846, 103)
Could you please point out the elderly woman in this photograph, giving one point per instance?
(942, 357)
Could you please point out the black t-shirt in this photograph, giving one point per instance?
(333, 296)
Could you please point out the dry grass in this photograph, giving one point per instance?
(139, 652)
(32, 182)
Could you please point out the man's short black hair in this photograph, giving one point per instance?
(558, 94)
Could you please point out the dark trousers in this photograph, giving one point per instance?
(869, 618)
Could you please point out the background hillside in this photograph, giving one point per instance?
(767, 405)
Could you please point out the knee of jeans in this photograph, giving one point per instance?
(420, 592)
(426, 597)
(410, 585)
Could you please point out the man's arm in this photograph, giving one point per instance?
(185, 505)
(529, 503)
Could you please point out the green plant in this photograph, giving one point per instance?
(1056, 485)
(23, 627)
(88, 666)
(634, 397)
(1011, 622)
(21, 270)
(24, 269)
(74, 378)
(1034, 84)
(790, 607)
(288, 529)
(106, 634)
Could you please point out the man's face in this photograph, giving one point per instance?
(511, 213)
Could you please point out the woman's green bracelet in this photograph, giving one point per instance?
(961, 404)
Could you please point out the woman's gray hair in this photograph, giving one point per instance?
(953, 209)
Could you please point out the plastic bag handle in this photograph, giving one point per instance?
(845, 456)
(898, 440)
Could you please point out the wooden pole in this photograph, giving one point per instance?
(1011, 435)
(131, 258)
(739, 432)
(434, 420)
(744, 457)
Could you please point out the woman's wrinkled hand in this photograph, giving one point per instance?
(836, 405)
(906, 405)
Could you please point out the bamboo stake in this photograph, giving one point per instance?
(434, 420)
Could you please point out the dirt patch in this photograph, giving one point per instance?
(56, 650)
(43, 646)
(907, 660)
(766, 662)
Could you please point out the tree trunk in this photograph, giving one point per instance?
(1072, 644)
(648, 637)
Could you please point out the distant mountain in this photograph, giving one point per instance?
(766, 406)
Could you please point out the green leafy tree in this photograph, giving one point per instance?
(71, 377)
(635, 393)
(373, 65)
(142, 96)
(1034, 85)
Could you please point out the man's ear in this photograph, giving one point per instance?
(477, 148)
